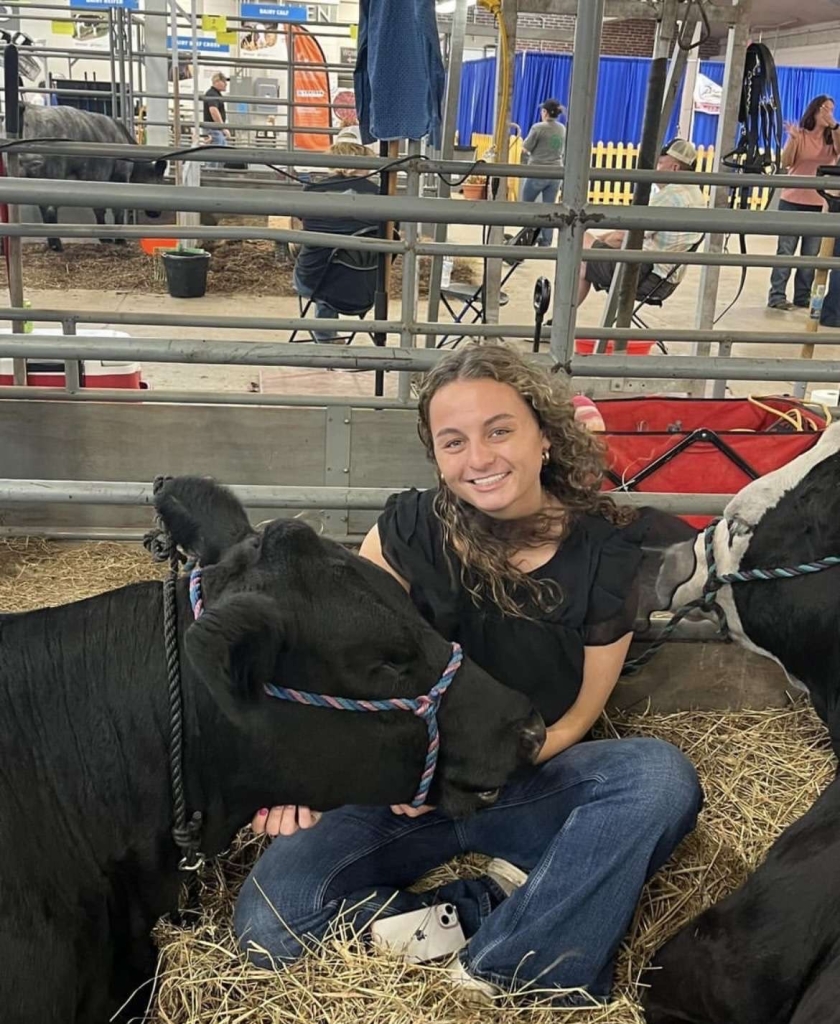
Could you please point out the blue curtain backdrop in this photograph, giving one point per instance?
(620, 104)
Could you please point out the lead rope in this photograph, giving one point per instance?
(185, 834)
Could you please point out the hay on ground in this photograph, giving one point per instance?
(760, 769)
(236, 268)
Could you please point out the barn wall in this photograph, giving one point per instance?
(255, 445)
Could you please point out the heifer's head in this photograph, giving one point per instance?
(148, 172)
(286, 607)
(783, 518)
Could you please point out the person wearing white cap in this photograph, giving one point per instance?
(658, 278)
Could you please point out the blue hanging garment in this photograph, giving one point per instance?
(399, 78)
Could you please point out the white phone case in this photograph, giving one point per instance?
(420, 935)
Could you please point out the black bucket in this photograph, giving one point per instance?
(186, 273)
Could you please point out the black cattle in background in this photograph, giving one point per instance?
(68, 123)
(770, 952)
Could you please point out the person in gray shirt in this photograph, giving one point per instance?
(545, 144)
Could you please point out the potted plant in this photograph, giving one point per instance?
(475, 187)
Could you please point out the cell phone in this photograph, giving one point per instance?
(420, 935)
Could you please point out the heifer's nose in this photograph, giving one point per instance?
(531, 738)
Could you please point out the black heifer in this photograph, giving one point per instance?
(789, 517)
(70, 124)
(87, 861)
(770, 952)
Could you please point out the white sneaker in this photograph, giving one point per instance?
(507, 876)
(474, 990)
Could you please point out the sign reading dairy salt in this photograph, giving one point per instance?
(273, 12)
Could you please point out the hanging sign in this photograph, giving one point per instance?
(99, 5)
(273, 12)
(213, 23)
(706, 95)
(202, 44)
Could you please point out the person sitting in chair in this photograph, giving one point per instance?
(658, 279)
(313, 260)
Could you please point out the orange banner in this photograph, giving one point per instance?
(312, 85)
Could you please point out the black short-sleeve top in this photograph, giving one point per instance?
(542, 655)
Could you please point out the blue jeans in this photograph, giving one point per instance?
(547, 188)
(803, 278)
(590, 827)
(217, 138)
(322, 310)
(831, 303)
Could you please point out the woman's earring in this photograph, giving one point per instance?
(546, 456)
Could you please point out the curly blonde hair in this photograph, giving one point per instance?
(573, 475)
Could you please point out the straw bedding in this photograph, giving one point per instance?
(246, 267)
(760, 770)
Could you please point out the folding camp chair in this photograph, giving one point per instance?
(348, 285)
(471, 297)
(657, 295)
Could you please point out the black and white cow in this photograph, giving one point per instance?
(787, 518)
(70, 124)
(87, 861)
(770, 952)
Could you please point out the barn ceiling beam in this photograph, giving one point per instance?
(718, 11)
(555, 35)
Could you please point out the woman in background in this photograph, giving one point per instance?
(813, 142)
(545, 144)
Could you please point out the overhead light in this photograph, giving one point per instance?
(448, 6)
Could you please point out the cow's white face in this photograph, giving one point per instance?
(752, 502)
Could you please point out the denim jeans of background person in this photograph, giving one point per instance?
(803, 277)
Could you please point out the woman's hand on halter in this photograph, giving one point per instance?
(284, 820)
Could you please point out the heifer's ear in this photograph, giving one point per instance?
(234, 648)
(160, 168)
(657, 534)
(203, 518)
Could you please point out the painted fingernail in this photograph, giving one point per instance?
(262, 812)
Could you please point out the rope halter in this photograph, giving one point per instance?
(424, 707)
(707, 601)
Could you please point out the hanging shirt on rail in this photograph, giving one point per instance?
(399, 77)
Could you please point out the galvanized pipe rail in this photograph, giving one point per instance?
(41, 192)
(455, 168)
(408, 360)
(275, 324)
(106, 492)
(421, 248)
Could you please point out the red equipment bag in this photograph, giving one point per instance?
(704, 446)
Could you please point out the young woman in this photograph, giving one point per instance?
(545, 144)
(813, 142)
(519, 557)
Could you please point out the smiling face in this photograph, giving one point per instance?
(488, 447)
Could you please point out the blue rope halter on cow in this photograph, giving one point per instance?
(714, 581)
(424, 707)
